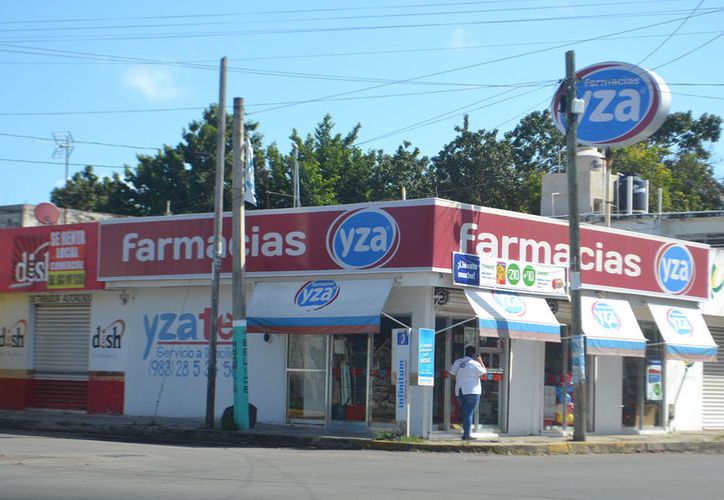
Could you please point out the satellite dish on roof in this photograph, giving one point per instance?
(47, 213)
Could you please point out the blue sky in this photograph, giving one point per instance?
(126, 77)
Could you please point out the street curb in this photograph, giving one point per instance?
(146, 433)
(565, 448)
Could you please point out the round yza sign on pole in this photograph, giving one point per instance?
(623, 104)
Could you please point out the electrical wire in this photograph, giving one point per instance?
(93, 143)
(683, 21)
(341, 29)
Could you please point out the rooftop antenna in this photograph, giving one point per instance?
(63, 148)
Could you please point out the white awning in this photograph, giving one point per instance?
(611, 328)
(320, 306)
(685, 333)
(515, 316)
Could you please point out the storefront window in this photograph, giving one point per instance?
(643, 388)
(306, 377)
(349, 377)
(558, 396)
(382, 392)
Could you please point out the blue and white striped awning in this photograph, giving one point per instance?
(318, 306)
(684, 332)
(611, 328)
(516, 316)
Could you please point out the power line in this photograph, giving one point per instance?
(683, 21)
(247, 21)
(338, 29)
(40, 162)
(94, 143)
(470, 66)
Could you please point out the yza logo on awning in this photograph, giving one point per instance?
(675, 269)
(315, 295)
(510, 303)
(679, 322)
(363, 239)
(605, 315)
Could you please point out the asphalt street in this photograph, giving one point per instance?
(34, 467)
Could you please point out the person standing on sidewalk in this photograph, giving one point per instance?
(467, 372)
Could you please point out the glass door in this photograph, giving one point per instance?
(307, 378)
(349, 378)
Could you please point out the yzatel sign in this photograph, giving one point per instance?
(474, 270)
(624, 104)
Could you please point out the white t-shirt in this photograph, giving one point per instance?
(467, 372)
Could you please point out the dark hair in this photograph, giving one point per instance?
(470, 351)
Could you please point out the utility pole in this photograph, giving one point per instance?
(297, 200)
(64, 147)
(578, 353)
(238, 285)
(216, 265)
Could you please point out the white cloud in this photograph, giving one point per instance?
(155, 84)
(460, 38)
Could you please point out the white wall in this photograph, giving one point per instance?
(267, 376)
(420, 300)
(166, 354)
(608, 393)
(525, 404)
(684, 389)
(15, 321)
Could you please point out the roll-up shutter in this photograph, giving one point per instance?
(60, 356)
(714, 386)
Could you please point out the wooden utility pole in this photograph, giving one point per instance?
(577, 340)
(218, 245)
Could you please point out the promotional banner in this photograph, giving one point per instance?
(715, 306)
(39, 259)
(473, 270)
(417, 235)
(426, 357)
(402, 364)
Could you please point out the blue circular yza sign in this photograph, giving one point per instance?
(623, 104)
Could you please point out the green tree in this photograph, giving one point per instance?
(406, 168)
(332, 170)
(182, 177)
(677, 159)
(86, 191)
(476, 168)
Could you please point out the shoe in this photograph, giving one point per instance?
(468, 438)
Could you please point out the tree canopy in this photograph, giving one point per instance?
(477, 167)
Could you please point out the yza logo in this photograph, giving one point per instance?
(511, 303)
(14, 336)
(605, 315)
(32, 267)
(679, 322)
(109, 337)
(315, 295)
(363, 239)
(184, 328)
(674, 269)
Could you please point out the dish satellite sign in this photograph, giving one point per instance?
(623, 104)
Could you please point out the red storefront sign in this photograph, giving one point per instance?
(418, 235)
(39, 259)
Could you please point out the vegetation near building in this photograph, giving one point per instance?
(478, 167)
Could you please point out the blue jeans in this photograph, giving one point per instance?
(468, 405)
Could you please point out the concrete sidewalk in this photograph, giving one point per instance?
(191, 432)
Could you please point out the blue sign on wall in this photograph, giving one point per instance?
(426, 357)
(466, 269)
(624, 104)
